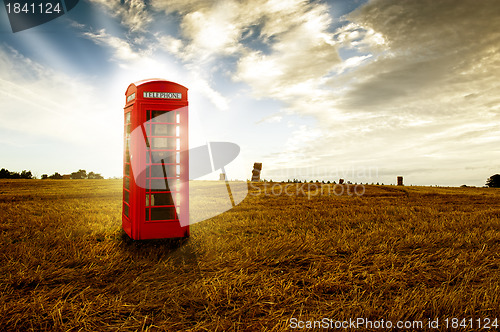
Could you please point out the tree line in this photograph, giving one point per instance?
(80, 174)
(6, 174)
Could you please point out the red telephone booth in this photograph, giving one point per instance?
(156, 161)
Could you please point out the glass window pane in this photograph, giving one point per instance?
(163, 116)
(162, 143)
(125, 209)
(157, 184)
(155, 171)
(163, 130)
(127, 183)
(171, 170)
(171, 144)
(127, 169)
(178, 118)
(159, 143)
(160, 171)
(127, 118)
(127, 196)
(159, 199)
(163, 213)
(159, 129)
(167, 157)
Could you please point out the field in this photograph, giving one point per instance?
(394, 254)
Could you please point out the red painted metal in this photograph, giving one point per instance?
(150, 212)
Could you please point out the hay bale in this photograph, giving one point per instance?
(257, 168)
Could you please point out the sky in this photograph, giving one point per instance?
(361, 90)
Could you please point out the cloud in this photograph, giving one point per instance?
(273, 118)
(228, 27)
(132, 13)
(122, 50)
(283, 49)
(301, 54)
(362, 39)
(437, 49)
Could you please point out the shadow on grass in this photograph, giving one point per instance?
(179, 250)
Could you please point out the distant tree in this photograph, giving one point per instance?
(56, 176)
(4, 174)
(493, 181)
(26, 175)
(81, 174)
(15, 175)
(44, 176)
(96, 176)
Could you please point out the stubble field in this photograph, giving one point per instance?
(273, 262)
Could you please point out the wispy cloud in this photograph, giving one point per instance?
(121, 48)
(132, 13)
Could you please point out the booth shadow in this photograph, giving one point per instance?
(179, 250)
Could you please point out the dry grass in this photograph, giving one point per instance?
(396, 253)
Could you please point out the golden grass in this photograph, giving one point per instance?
(395, 253)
